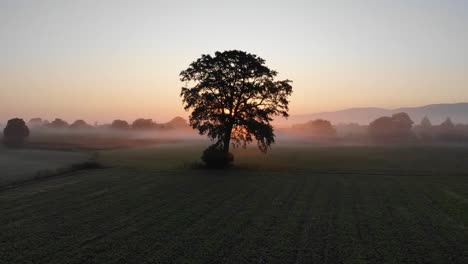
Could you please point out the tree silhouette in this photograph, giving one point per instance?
(402, 123)
(447, 130)
(398, 126)
(381, 128)
(447, 124)
(425, 129)
(426, 123)
(80, 124)
(15, 133)
(35, 122)
(318, 127)
(177, 123)
(234, 97)
(143, 124)
(58, 123)
(120, 124)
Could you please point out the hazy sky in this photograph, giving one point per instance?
(101, 60)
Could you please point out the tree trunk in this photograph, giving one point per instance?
(227, 138)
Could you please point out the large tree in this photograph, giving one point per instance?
(234, 97)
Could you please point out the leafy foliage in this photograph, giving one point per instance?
(234, 97)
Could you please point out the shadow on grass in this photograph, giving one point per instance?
(200, 166)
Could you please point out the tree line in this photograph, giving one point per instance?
(400, 127)
(396, 128)
(17, 130)
(118, 124)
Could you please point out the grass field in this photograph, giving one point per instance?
(295, 205)
(20, 165)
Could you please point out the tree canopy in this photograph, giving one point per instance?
(234, 97)
(15, 132)
(318, 127)
(142, 124)
(120, 124)
(58, 123)
(426, 123)
(80, 124)
(447, 124)
(397, 126)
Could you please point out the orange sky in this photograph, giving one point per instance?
(119, 59)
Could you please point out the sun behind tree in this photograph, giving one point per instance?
(233, 97)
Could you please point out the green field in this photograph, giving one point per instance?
(295, 205)
(19, 165)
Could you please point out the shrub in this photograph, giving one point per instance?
(215, 157)
(15, 133)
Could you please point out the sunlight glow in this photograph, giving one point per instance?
(338, 54)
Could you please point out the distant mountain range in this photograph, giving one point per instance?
(437, 113)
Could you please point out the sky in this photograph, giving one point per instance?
(104, 60)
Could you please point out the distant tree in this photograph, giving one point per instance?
(15, 133)
(381, 128)
(319, 127)
(402, 123)
(234, 97)
(35, 122)
(58, 123)
(80, 124)
(177, 123)
(425, 129)
(143, 124)
(353, 131)
(120, 125)
(398, 126)
(426, 123)
(447, 131)
(447, 124)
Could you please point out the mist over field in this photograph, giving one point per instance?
(233, 131)
(388, 191)
(58, 147)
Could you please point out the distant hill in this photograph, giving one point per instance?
(435, 112)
